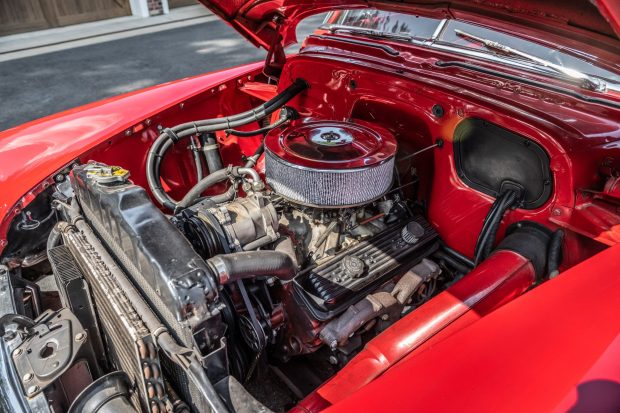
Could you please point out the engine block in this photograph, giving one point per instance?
(332, 286)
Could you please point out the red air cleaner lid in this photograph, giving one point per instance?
(321, 144)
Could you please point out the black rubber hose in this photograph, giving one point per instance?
(229, 195)
(487, 236)
(249, 264)
(555, 253)
(246, 134)
(453, 262)
(211, 179)
(252, 160)
(202, 185)
(490, 217)
(495, 212)
(492, 232)
(197, 160)
(172, 135)
(457, 256)
(277, 101)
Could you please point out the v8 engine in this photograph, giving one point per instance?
(328, 212)
(269, 275)
(322, 254)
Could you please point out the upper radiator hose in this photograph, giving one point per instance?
(238, 265)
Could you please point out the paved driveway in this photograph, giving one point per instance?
(38, 86)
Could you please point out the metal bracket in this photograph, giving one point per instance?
(53, 345)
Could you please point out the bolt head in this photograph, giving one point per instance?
(32, 390)
(80, 336)
(28, 377)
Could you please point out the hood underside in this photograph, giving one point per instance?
(591, 26)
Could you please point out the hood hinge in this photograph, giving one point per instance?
(274, 62)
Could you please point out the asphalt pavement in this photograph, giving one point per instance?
(37, 86)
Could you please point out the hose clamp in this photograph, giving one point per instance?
(220, 268)
(171, 135)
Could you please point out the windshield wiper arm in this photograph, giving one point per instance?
(368, 32)
(586, 81)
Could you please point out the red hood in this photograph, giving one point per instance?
(570, 23)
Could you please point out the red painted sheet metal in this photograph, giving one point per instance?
(575, 24)
(576, 136)
(30, 153)
(262, 91)
(499, 279)
(555, 348)
(610, 10)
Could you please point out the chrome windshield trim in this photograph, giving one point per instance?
(519, 64)
(587, 81)
(442, 24)
(595, 83)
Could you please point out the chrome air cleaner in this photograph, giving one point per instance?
(330, 164)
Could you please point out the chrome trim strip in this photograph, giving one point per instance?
(438, 29)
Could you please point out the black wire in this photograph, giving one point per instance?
(491, 216)
(492, 233)
(491, 224)
(246, 134)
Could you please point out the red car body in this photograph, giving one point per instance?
(489, 346)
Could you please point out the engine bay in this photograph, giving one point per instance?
(238, 262)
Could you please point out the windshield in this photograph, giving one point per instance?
(443, 34)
